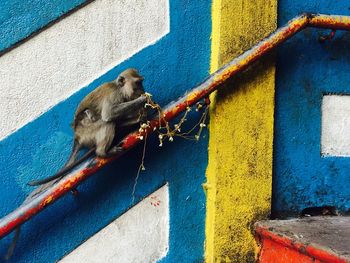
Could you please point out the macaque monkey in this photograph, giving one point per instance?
(100, 114)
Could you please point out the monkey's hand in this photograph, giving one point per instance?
(120, 111)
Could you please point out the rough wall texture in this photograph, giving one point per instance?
(70, 54)
(20, 19)
(139, 235)
(239, 174)
(175, 63)
(307, 70)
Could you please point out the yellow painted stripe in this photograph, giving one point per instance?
(209, 186)
(239, 173)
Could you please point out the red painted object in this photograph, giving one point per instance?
(307, 240)
(50, 193)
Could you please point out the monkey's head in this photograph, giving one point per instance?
(130, 81)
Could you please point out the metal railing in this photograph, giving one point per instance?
(47, 194)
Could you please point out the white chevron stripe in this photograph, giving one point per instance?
(70, 54)
(139, 235)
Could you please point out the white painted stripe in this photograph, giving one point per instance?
(139, 235)
(335, 136)
(67, 56)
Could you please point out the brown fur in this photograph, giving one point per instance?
(110, 91)
(113, 104)
(89, 131)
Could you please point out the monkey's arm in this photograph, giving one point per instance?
(123, 110)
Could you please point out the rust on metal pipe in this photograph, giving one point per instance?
(329, 21)
(51, 193)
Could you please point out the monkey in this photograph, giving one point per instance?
(112, 105)
(127, 114)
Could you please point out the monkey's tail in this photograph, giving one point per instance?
(13, 244)
(65, 169)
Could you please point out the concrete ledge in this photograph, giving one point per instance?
(312, 239)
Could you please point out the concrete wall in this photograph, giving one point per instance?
(311, 142)
(69, 55)
(311, 163)
(139, 235)
(239, 174)
(53, 54)
(46, 76)
(21, 19)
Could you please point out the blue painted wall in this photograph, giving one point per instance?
(19, 19)
(306, 70)
(175, 63)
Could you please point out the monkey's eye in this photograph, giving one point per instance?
(121, 80)
(139, 81)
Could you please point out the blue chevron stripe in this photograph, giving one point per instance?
(21, 18)
(175, 63)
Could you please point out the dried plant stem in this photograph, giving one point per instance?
(141, 167)
(170, 133)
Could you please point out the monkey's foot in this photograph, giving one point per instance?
(115, 150)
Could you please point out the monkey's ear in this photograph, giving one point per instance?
(121, 80)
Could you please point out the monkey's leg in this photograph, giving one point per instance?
(104, 138)
(72, 158)
(119, 111)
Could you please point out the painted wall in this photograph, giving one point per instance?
(45, 77)
(72, 53)
(308, 70)
(175, 59)
(239, 174)
(139, 235)
(20, 19)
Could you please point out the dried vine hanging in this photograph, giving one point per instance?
(166, 132)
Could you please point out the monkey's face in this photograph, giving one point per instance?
(137, 86)
(131, 83)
